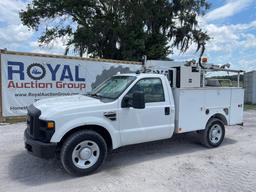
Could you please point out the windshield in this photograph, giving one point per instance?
(113, 87)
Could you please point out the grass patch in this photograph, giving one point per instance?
(12, 120)
(250, 107)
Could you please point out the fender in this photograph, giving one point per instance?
(219, 113)
(62, 129)
(221, 117)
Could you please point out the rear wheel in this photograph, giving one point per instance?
(83, 152)
(214, 133)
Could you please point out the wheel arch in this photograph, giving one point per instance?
(97, 128)
(219, 116)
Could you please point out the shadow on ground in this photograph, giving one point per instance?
(181, 144)
(33, 171)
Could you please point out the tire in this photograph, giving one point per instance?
(83, 153)
(213, 134)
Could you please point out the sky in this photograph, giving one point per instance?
(231, 24)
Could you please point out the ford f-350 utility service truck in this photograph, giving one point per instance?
(127, 109)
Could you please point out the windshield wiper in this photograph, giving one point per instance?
(98, 96)
(92, 94)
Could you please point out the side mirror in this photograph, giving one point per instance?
(137, 101)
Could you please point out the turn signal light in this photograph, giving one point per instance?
(50, 125)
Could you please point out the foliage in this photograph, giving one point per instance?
(249, 107)
(119, 29)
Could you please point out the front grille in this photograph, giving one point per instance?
(33, 121)
(36, 128)
(30, 124)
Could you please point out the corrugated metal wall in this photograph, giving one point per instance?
(250, 87)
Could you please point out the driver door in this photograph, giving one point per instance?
(154, 122)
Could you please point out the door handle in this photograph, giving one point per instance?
(167, 110)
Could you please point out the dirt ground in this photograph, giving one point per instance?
(179, 164)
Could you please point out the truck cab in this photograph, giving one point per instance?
(125, 109)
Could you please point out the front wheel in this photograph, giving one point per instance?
(214, 133)
(83, 153)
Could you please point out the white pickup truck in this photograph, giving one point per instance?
(127, 109)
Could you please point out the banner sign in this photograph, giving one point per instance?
(26, 79)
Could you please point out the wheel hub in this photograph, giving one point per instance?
(85, 153)
(215, 133)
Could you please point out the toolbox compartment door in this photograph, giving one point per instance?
(236, 106)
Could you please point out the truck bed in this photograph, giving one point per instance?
(194, 106)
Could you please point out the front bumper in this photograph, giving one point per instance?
(38, 148)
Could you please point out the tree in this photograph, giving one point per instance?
(119, 29)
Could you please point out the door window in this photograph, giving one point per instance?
(152, 88)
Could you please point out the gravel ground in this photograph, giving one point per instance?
(179, 164)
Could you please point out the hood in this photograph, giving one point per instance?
(64, 103)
